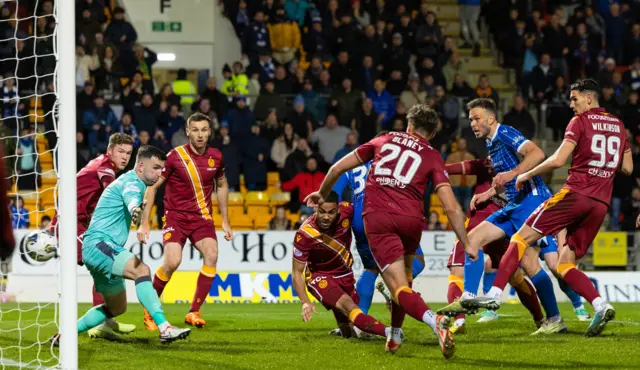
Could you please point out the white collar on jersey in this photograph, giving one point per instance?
(494, 134)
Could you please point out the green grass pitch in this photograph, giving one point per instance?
(273, 337)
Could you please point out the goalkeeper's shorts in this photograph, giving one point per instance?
(106, 264)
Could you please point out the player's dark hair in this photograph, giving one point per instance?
(587, 85)
(198, 117)
(423, 118)
(332, 197)
(150, 151)
(484, 103)
(120, 139)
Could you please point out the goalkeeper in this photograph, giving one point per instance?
(107, 260)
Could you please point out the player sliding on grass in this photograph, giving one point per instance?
(597, 143)
(505, 144)
(366, 285)
(91, 182)
(322, 260)
(403, 165)
(107, 260)
(191, 173)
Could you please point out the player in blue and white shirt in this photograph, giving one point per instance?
(505, 145)
(355, 180)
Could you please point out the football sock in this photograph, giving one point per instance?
(97, 297)
(416, 267)
(397, 315)
(160, 281)
(92, 318)
(581, 284)
(413, 305)
(576, 301)
(366, 323)
(527, 294)
(510, 262)
(456, 284)
(512, 291)
(473, 273)
(365, 287)
(203, 287)
(487, 281)
(544, 286)
(149, 299)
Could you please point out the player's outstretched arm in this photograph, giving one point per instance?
(556, 160)
(149, 200)
(456, 218)
(222, 194)
(627, 164)
(297, 277)
(532, 155)
(348, 162)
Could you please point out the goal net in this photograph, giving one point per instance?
(30, 86)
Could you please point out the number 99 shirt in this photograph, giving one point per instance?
(403, 165)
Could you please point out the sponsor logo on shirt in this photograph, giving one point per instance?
(387, 181)
(211, 162)
(345, 223)
(296, 251)
(323, 284)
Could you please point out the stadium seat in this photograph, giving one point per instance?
(49, 179)
(293, 217)
(217, 220)
(257, 203)
(47, 195)
(272, 190)
(241, 222)
(435, 200)
(279, 199)
(261, 222)
(273, 178)
(236, 204)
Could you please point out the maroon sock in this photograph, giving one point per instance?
(529, 298)
(397, 315)
(581, 284)
(203, 288)
(369, 324)
(508, 266)
(412, 304)
(454, 293)
(159, 284)
(98, 299)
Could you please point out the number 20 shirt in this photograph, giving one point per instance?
(403, 165)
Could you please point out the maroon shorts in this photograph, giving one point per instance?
(495, 250)
(81, 229)
(179, 226)
(391, 236)
(580, 215)
(328, 288)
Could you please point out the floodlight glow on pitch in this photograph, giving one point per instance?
(166, 57)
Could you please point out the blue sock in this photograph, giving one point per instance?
(576, 301)
(487, 281)
(543, 285)
(94, 317)
(512, 292)
(148, 297)
(473, 273)
(365, 286)
(416, 267)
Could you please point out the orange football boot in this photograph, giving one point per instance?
(149, 324)
(194, 319)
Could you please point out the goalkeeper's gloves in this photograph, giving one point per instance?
(136, 215)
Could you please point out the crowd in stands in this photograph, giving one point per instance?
(316, 78)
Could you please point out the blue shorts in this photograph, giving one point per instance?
(106, 264)
(362, 245)
(511, 218)
(547, 244)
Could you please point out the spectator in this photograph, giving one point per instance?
(283, 84)
(428, 37)
(608, 101)
(615, 26)
(469, 15)
(159, 140)
(173, 121)
(367, 75)
(44, 222)
(631, 113)
(462, 184)
(414, 94)
(143, 60)
(84, 65)
(264, 67)
(383, 102)
(183, 87)
(99, 122)
(285, 37)
(595, 24)
(271, 127)
(146, 115)
(366, 124)
(205, 108)
(542, 78)
(240, 81)
(315, 41)
(27, 160)
(283, 146)
(300, 119)
(314, 70)
(324, 86)
(433, 223)
(255, 152)
(19, 214)
(529, 64)
(620, 90)
(605, 76)
(350, 144)
(370, 45)
(119, 31)
(132, 93)
(361, 15)
(559, 111)
(407, 29)
(346, 100)
(296, 10)
(180, 138)
(557, 44)
(630, 210)
(217, 100)
(397, 56)
(396, 83)
(268, 100)
(256, 37)
(296, 161)
(232, 156)
(166, 95)
(240, 119)
(520, 118)
(241, 18)
(632, 76)
(330, 137)
(84, 99)
(280, 222)
(461, 88)
(448, 109)
(428, 67)
(313, 102)
(622, 189)
(632, 44)
(484, 90)
(585, 48)
(454, 66)
(341, 68)
(83, 154)
(127, 128)
(305, 182)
